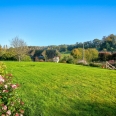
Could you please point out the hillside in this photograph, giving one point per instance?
(54, 89)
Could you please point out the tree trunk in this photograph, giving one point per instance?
(19, 58)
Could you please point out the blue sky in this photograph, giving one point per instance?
(55, 22)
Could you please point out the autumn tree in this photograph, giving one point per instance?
(76, 53)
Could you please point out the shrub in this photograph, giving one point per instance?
(70, 60)
(26, 58)
(95, 64)
(64, 59)
(10, 104)
(67, 59)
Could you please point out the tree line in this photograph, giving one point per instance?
(104, 49)
(107, 43)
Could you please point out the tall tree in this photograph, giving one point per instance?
(20, 47)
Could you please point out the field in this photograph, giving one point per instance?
(55, 89)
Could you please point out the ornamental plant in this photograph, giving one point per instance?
(10, 103)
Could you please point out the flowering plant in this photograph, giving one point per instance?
(10, 104)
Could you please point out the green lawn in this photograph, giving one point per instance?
(55, 89)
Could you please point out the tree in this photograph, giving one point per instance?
(108, 43)
(93, 54)
(90, 54)
(76, 53)
(97, 43)
(20, 47)
(63, 48)
(2, 51)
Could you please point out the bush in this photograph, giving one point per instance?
(95, 64)
(26, 58)
(70, 60)
(67, 59)
(8, 56)
(10, 104)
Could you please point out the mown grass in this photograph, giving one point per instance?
(54, 89)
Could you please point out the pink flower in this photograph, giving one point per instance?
(1, 79)
(4, 107)
(16, 114)
(14, 86)
(8, 112)
(5, 91)
(3, 115)
(6, 86)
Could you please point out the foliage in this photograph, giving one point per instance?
(95, 64)
(26, 58)
(64, 59)
(63, 48)
(107, 42)
(10, 104)
(104, 56)
(57, 89)
(67, 59)
(70, 60)
(76, 53)
(91, 54)
(8, 56)
(20, 47)
(88, 54)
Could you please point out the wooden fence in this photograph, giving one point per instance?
(109, 66)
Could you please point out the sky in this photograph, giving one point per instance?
(56, 22)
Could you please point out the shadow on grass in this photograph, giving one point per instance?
(29, 112)
(88, 109)
(33, 110)
(79, 108)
